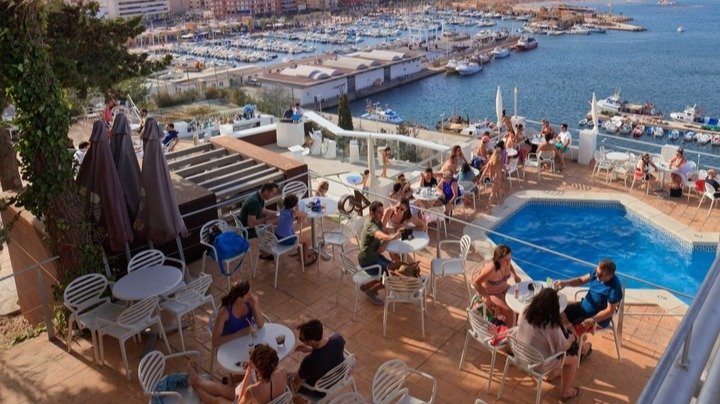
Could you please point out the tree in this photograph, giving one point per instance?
(273, 100)
(344, 115)
(43, 119)
(91, 53)
(405, 151)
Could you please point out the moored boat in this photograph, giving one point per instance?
(451, 66)
(638, 130)
(659, 132)
(500, 52)
(468, 68)
(375, 113)
(715, 141)
(703, 138)
(526, 43)
(674, 134)
(689, 136)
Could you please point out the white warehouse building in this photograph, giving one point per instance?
(354, 74)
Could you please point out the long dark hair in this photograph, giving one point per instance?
(265, 359)
(407, 214)
(544, 310)
(499, 252)
(240, 289)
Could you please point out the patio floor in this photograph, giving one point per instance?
(42, 371)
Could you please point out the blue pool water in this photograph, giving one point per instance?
(591, 233)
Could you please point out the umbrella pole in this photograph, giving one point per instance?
(108, 273)
(127, 252)
(180, 248)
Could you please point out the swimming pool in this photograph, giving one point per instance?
(592, 231)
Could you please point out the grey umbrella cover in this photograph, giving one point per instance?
(123, 154)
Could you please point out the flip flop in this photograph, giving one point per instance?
(576, 394)
(586, 354)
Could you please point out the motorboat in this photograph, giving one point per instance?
(689, 115)
(611, 103)
(595, 29)
(382, 115)
(689, 136)
(649, 130)
(554, 32)
(625, 128)
(526, 43)
(478, 128)
(659, 132)
(703, 138)
(611, 125)
(715, 141)
(681, 29)
(480, 58)
(468, 68)
(583, 122)
(451, 66)
(499, 52)
(579, 30)
(674, 134)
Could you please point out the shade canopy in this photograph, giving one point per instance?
(100, 185)
(126, 163)
(159, 216)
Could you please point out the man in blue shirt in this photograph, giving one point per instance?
(171, 138)
(324, 353)
(601, 301)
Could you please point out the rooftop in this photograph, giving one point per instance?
(38, 370)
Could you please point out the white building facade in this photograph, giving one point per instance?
(135, 8)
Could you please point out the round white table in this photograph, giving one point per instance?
(353, 179)
(537, 140)
(234, 354)
(329, 206)
(511, 152)
(420, 240)
(422, 195)
(158, 280)
(617, 156)
(517, 304)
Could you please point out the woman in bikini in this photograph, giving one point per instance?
(492, 283)
(492, 175)
(398, 216)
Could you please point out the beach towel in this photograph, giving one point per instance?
(170, 382)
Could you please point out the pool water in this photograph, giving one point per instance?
(591, 233)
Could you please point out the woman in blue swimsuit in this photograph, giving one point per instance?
(239, 309)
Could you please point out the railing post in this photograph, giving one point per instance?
(47, 314)
(683, 362)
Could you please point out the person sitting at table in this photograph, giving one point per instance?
(599, 304)
(491, 283)
(284, 229)
(458, 156)
(398, 216)
(238, 310)
(680, 168)
(482, 152)
(323, 354)
(710, 180)
(449, 191)
(263, 381)
(406, 186)
(450, 165)
(253, 211)
(427, 179)
(510, 139)
(492, 175)
(563, 142)
(540, 326)
(642, 169)
(322, 189)
(373, 241)
(546, 128)
(547, 147)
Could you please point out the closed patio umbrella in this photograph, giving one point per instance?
(123, 154)
(594, 113)
(499, 108)
(159, 214)
(99, 180)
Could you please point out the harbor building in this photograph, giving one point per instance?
(135, 8)
(357, 74)
(223, 9)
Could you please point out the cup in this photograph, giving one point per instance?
(280, 339)
(253, 331)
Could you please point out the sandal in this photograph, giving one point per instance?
(576, 394)
(311, 260)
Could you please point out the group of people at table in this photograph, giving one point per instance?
(679, 168)
(240, 314)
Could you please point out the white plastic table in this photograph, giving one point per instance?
(517, 304)
(511, 152)
(421, 195)
(617, 156)
(353, 179)
(233, 354)
(158, 280)
(420, 240)
(664, 168)
(329, 206)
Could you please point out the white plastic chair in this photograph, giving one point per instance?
(467, 190)
(531, 361)
(192, 296)
(211, 252)
(152, 369)
(625, 170)
(356, 273)
(295, 187)
(709, 194)
(512, 168)
(271, 245)
(351, 397)
(338, 238)
(83, 298)
(440, 267)
(615, 326)
(284, 398)
(538, 160)
(153, 258)
(334, 380)
(132, 321)
(642, 180)
(436, 215)
(404, 289)
(389, 384)
(700, 175)
(481, 331)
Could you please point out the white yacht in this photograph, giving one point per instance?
(499, 52)
(468, 68)
(689, 115)
(451, 66)
(383, 115)
(579, 30)
(612, 103)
